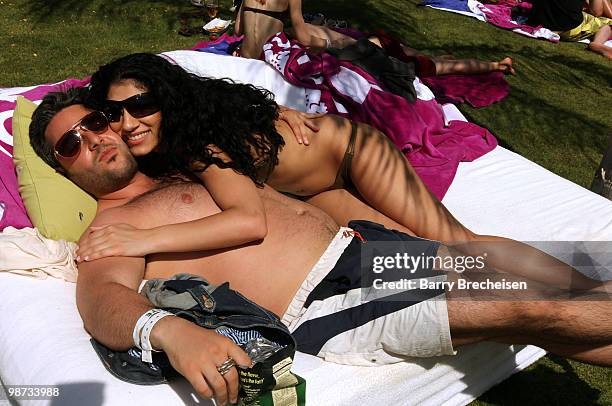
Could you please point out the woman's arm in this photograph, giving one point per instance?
(242, 220)
(314, 35)
(238, 23)
(321, 37)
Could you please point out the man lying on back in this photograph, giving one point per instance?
(307, 269)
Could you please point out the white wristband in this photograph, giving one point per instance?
(139, 325)
(146, 333)
(142, 331)
(327, 43)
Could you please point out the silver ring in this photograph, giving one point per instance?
(226, 366)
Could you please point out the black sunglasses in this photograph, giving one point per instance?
(69, 144)
(140, 105)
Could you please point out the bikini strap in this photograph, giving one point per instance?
(282, 16)
(343, 178)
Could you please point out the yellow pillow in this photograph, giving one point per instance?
(57, 207)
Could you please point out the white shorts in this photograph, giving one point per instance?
(335, 322)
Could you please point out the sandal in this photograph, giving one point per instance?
(235, 5)
(314, 18)
(331, 23)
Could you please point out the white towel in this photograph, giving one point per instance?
(26, 252)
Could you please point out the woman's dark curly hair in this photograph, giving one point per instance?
(197, 114)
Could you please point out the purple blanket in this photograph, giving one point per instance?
(219, 46)
(457, 5)
(433, 148)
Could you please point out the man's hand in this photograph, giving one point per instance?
(115, 240)
(299, 122)
(196, 353)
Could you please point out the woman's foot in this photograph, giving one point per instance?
(505, 66)
(375, 40)
(601, 49)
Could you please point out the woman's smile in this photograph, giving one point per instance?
(136, 139)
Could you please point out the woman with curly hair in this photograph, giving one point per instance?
(229, 135)
(152, 85)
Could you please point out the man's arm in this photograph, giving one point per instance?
(315, 35)
(110, 306)
(108, 300)
(107, 296)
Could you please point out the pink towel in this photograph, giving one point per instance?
(477, 90)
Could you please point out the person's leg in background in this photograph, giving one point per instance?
(598, 42)
(600, 8)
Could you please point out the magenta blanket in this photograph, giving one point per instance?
(477, 90)
(13, 212)
(501, 15)
(433, 148)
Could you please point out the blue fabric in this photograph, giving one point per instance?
(458, 5)
(222, 48)
(239, 337)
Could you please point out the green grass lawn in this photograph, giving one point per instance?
(557, 113)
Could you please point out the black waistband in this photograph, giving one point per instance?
(282, 16)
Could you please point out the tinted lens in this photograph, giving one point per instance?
(69, 145)
(113, 112)
(142, 111)
(141, 105)
(95, 122)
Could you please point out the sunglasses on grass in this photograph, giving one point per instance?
(139, 106)
(69, 144)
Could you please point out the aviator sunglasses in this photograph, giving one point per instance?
(69, 144)
(139, 106)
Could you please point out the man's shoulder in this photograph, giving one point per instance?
(150, 209)
(132, 211)
(114, 215)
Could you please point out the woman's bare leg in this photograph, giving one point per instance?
(445, 66)
(597, 43)
(600, 8)
(451, 66)
(387, 181)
